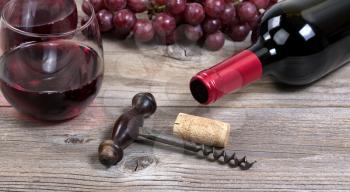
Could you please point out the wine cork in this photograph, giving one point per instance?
(202, 130)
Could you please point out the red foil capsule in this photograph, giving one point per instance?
(232, 74)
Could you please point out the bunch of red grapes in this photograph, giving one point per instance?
(202, 21)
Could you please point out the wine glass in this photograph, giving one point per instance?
(2, 3)
(51, 66)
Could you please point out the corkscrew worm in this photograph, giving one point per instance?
(129, 128)
(242, 163)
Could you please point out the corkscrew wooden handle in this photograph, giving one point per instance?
(126, 128)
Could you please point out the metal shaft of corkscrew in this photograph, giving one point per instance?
(242, 163)
(169, 140)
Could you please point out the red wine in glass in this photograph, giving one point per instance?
(53, 80)
(39, 17)
(2, 3)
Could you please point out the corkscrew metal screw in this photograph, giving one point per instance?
(129, 128)
(242, 163)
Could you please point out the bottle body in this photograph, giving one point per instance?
(300, 42)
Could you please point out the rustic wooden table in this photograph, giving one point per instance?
(299, 136)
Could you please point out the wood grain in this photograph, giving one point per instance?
(299, 136)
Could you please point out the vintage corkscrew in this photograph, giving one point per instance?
(127, 129)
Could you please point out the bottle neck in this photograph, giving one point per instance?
(267, 56)
(231, 74)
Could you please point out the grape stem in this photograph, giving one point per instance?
(155, 9)
(236, 2)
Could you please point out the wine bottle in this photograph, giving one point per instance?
(300, 42)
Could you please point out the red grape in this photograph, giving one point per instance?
(229, 14)
(115, 5)
(193, 33)
(105, 19)
(215, 41)
(164, 24)
(247, 11)
(97, 4)
(124, 20)
(168, 39)
(143, 30)
(239, 32)
(211, 25)
(205, 21)
(234, 21)
(261, 4)
(176, 6)
(194, 13)
(214, 8)
(254, 22)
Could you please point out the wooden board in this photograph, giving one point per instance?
(299, 136)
